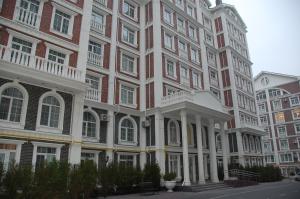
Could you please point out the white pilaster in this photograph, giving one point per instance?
(110, 136)
(212, 151)
(160, 141)
(142, 144)
(225, 150)
(75, 146)
(200, 150)
(239, 141)
(186, 173)
(206, 174)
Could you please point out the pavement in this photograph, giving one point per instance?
(286, 189)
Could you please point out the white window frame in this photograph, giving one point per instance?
(97, 133)
(130, 29)
(134, 105)
(262, 108)
(190, 8)
(284, 161)
(44, 144)
(246, 145)
(278, 131)
(292, 100)
(279, 122)
(21, 124)
(194, 74)
(187, 78)
(135, 141)
(96, 155)
(284, 149)
(268, 149)
(183, 28)
(17, 151)
(298, 114)
(194, 36)
(295, 126)
(47, 129)
(174, 69)
(298, 141)
(177, 133)
(71, 22)
(275, 107)
(195, 59)
(135, 7)
(180, 5)
(103, 14)
(134, 63)
(172, 47)
(60, 50)
(168, 10)
(178, 177)
(129, 154)
(264, 120)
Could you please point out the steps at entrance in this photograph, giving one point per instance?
(204, 187)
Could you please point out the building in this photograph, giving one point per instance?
(278, 100)
(129, 81)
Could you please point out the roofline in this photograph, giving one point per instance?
(273, 73)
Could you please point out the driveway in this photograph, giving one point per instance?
(285, 189)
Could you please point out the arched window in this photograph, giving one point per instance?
(13, 104)
(245, 143)
(252, 144)
(257, 145)
(89, 125)
(51, 112)
(128, 129)
(173, 131)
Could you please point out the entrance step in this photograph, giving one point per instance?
(204, 187)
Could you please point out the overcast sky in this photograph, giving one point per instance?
(273, 33)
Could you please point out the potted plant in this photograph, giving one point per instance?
(170, 182)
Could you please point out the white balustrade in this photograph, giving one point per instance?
(27, 17)
(38, 63)
(99, 27)
(177, 97)
(93, 94)
(95, 59)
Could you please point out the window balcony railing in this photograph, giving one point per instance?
(101, 2)
(95, 59)
(93, 95)
(27, 17)
(40, 64)
(177, 97)
(98, 27)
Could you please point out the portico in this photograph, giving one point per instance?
(202, 110)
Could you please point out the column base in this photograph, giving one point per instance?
(186, 183)
(201, 182)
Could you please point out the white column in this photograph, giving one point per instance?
(206, 174)
(212, 151)
(186, 173)
(75, 146)
(110, 136)
(142, 143)
(225, 150)
(200, 150)
(239, 141)
(160, 141)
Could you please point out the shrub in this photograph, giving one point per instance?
(1, 173)
(10, 181)
(151, 173)
(170, 176)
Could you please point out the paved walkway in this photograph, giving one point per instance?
(285, 189)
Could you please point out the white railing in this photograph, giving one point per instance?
(214, 82)
(101, 2)
(99, 27)
(93, 95)
(27, 17)
(183, 54)
(38, 63)
(177, 97)
(95, 59)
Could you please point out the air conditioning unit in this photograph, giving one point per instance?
(145, 123)
(104, 117)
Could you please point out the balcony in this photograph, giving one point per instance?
(98, 27)
(27, 17)
(33, 62)
(253, 128)
(95, 59)
(93, 95)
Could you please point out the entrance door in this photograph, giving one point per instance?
(192, 169)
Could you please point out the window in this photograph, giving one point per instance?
(276, 105)
(180, 25)
(50, 112)
(268, 147)
(168, 16)
(61, 22)
(89, 156)
(93, 82)
(196, 82)
(252, 143)
(264, 120)
(171, 91)
(214, 78)
(262, 108)
(184, 76)
(192, 32)
(261, 96)
(28, 12)
(127, 160)
(8, 153)
(274, 92)
(57, 57)
(284, 145)
(168, 41)
(194, 55)
(127, 131)
(288, 157)
(190, 11)
(95, 54)
(20, 45)
(279, 117)
(179, 3)
(296, 113)
(127, 95)
(89, 125)
(128, 35)
(129, 9)
(297, 128)
(98, 22)
(257, 145)
(45, 154)
(183, 50)
(294, 101)
(174, 164)
(218, 142)
(298, 139)
(281, 131)
(128, 64)
(171, 69)
(269, 159)
(245, 143)
(173, 129)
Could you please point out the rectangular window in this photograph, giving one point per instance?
(269, 159)
(93, 82)
(129, 10)
(264, 120)
(194, 55)
(171, 69)
(168, 41)
(180, 25)
(262, 108)
(279, 117)
(286, 157)
(128, 35)
(87, 156)
(21, 45)
(179, 3)
(196, 80)
(268, 147)
(190, 11)
(294, 101)
(174, 164)
(297, 128)
(296, 113)
(57, 57)
(276, 105)
(281, 131)
(127, 95)
(284, 145)
(126, 160)
(274, 92)
(95, 54)
(184, 76)
(61, 22)
(45, 154)
(128, 64)
(168, 18)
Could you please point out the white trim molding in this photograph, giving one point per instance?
(135, 131)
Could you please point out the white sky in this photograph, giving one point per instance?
(273, 33)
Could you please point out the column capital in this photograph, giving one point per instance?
(198, 117)
(211, 121)
(183, 112)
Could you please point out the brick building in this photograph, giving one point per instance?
(278, 99)
(129, 81)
